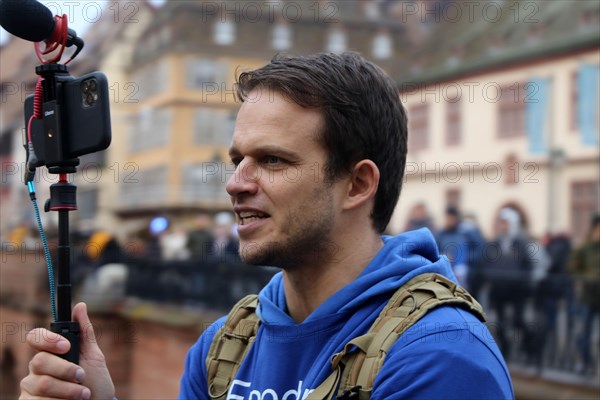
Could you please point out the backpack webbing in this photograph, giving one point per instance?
(357, 365)
(230, 345)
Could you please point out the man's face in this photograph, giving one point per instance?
(451, 221)
(284, 208)
(502, 226)
(419, 212)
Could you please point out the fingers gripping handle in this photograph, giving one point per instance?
(71, 331)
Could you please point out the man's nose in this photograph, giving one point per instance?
(244, 180)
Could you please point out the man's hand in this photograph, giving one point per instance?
(52, 377)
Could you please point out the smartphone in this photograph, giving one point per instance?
(76, 123)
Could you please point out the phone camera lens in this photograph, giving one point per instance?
(90, 99)
(89, 90)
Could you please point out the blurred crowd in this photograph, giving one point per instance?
(208, 236)
(515, 274)
(102, 266)
(541, 294)
(161, 239)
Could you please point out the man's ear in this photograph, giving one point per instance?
(363, 184)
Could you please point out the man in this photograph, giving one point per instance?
(510, 261)
(200, 238)
(419, 218)
(461, 242)
(320, 149)
(225, 244)
(585, 268)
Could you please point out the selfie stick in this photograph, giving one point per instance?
(32, 21)
(63, 198)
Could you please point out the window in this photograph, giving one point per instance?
(574, 104)
(584, 204)
(224, 32)
(205, 181)
(336, 42)
(511, 111)
(203, 72)
(497, 44)
(456, 55)
(536, 33)
(150, 128)
(212, 126)
(282, 37)
(589, 19)
(511, 170)
(418, 127)
(87, 204)
(372, 10)
(149, 81)
(146, 187)
(382, 46)
(453, 123)
(588, 88)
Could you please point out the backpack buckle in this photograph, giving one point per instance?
(350, 394)
(236, 337)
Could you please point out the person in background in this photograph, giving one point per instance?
(200, 238)
(173, 243)
(103, 248)
(22, 236)
(471, 255)
(550, 291)
(509, 268)
(225, 244)
(460, 242)
(419, 218)
(585, 269)
(450, 238)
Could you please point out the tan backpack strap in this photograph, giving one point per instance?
(340, 362)
(409, 304)
(357, 365)
(230, 345)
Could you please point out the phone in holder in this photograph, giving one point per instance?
(76, 123)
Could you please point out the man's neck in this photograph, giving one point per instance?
(309, 285)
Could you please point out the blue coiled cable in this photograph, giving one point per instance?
(31, 188)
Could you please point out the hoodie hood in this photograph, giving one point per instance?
(401, 258)
(513, 220)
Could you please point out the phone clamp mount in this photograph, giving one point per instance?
(63, 197)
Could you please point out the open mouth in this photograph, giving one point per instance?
(248, 217)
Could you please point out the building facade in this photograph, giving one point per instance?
(506, 114)
(174, 151)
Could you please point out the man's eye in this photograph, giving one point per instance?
(272, 160)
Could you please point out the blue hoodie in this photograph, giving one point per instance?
(448, 354)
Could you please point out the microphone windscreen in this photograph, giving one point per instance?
(27, 19)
